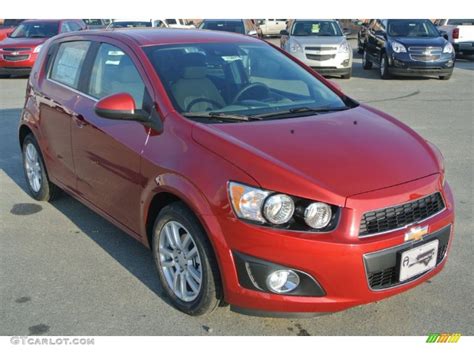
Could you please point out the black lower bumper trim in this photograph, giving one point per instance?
(332, 71)
(420, 72)
(272, 314)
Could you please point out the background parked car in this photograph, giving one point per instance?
(94, 24)
(271, 27)
(460, 33)
(362, 35)
(246, 27)
(319, 44)
(131, 23)
(8, 26)
(19, 51)
(172, 23)
(409, 48)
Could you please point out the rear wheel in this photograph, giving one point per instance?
(366, 64)
(38, 183)
(185, 261)
(384, 74)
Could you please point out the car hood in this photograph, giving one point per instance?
(316, 40)
(421, 41)
(23, 42)
(329, 156)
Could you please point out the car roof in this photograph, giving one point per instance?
(160, 36)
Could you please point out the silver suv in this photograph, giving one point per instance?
(320, 44)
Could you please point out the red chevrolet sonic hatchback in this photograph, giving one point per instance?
(253, 180)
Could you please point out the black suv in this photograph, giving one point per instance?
(408, 48)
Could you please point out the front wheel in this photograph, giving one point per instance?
(445, 77)
(384, 74)
(185, 261)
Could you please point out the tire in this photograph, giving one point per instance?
(384, 74)
(4, 76)
(37, 180)
(206, 293)
(366, 64)
(445, 77)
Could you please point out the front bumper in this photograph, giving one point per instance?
(335, 260)
(339, 64)
(17, 67)
(401, 64)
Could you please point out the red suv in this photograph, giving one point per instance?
(19, 51)
(253, 180)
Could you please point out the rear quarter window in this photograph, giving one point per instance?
(67, 65)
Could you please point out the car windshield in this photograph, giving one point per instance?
(316, 28)
(205, 79)
(411, 28)
(131, 24)
(228, 26)
(36, 30)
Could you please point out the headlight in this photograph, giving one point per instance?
(295, 47)
(344, 47)
(247, 201)
(318, 215)
(281, 210)
(398, 47)
(37, 49)
(278, 209)
(448, 48)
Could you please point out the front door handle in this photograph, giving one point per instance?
(79, 120)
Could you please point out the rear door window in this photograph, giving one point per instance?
(67, 65)
(114, 72)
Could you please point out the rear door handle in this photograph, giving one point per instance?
(79, 120)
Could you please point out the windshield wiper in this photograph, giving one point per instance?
(221, 115)
(300, 110)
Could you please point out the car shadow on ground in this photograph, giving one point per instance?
(130, 253)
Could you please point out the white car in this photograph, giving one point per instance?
(271, 27)
(162, 23)
(173, 23)
(320, 44)
(460, 33)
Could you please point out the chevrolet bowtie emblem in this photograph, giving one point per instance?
(416, 233)
(15, 53)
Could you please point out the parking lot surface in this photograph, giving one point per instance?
(66, 271)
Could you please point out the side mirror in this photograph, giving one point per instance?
(252, 33)
(119, 106)
(444, 34)
(284, 33)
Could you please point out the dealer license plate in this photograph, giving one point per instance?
(418, 260)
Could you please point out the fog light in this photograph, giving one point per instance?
(283, 281)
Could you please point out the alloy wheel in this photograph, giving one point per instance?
(180, 261)
(33, 167)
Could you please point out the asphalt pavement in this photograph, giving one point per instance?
(64, 270)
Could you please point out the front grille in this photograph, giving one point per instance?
(425, 54)
(15, 58)
(320, 48)
(320, 57)
(10, 49)
(383, 267)
(383, 279)
(396, 217)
